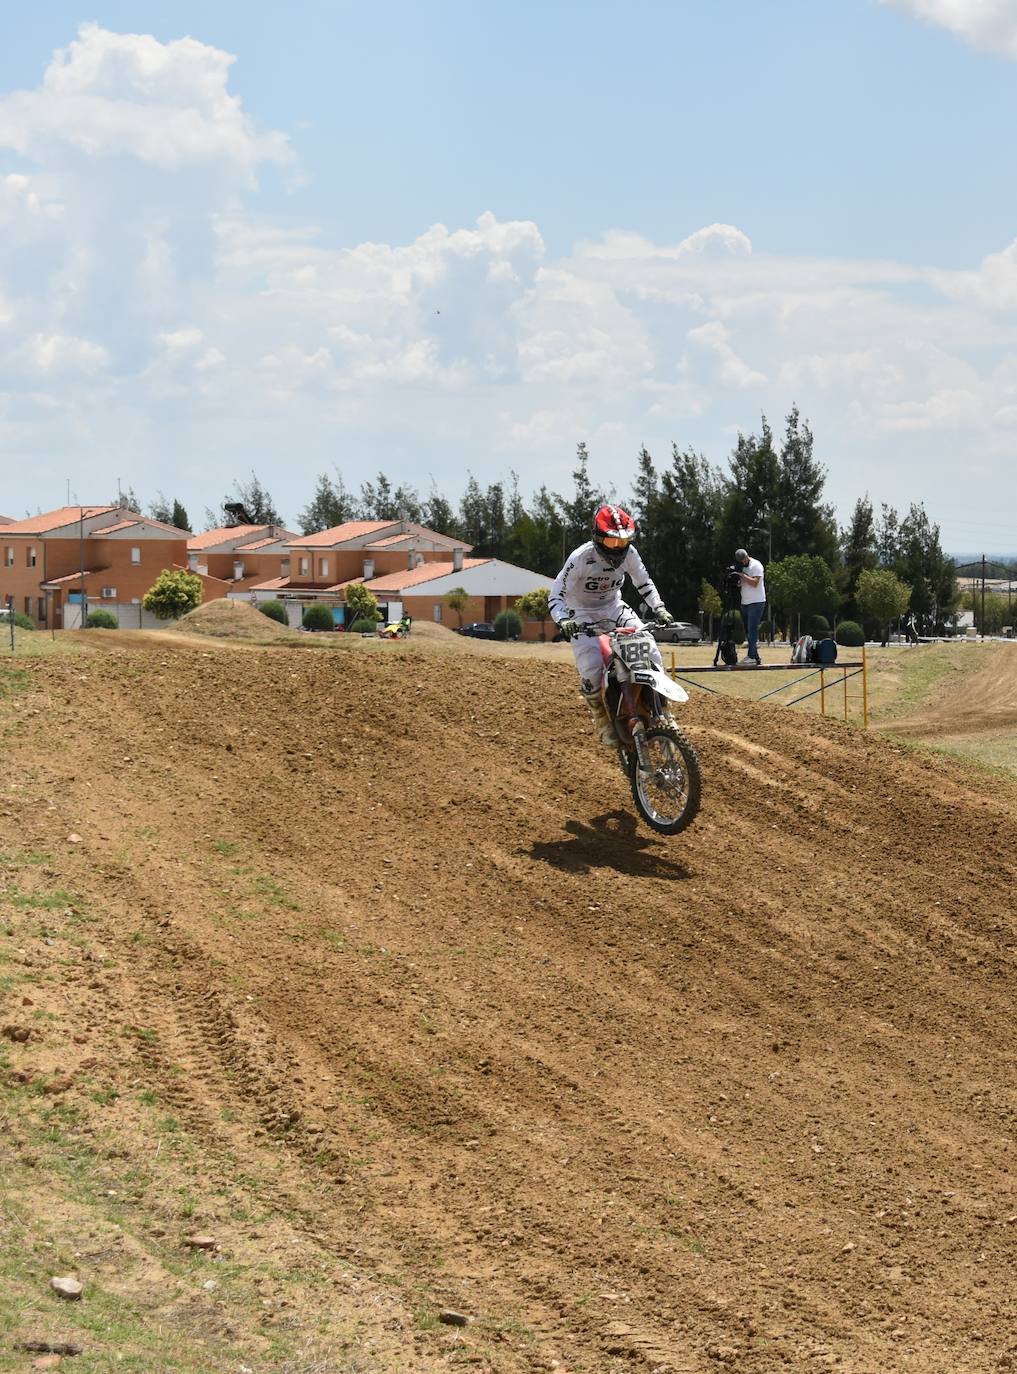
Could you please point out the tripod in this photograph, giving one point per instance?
(727, 649)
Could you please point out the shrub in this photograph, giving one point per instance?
(173, 593)
(275, 610)
(361, 603)
(817, 626)
(507, 625)
(23, 622)
(850, 633)
(101, 620)
(318, 617)
(363, 626)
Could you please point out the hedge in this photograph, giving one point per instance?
(318, 617)
(101, 620)
(507, 625)
(275, 610)
(850, 633)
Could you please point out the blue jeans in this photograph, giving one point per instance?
(752, 614)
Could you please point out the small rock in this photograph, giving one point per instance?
(67, 1287)
(725, 1354)
(210, 1285)
(200, 1242)
(19, 1034)
(846, 1250)
(47, 1362)
(73, 838)
(451, 1318)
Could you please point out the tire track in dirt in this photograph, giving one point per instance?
(714, 1092)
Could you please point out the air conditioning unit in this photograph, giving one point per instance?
(109, 593)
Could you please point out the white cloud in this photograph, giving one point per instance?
(733, 369)
(155, 331)
(128, 95)
(987, 24)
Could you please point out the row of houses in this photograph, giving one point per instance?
(57, 566)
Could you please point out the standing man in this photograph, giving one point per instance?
(753, 601)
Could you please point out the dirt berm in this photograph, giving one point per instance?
(741, 1099)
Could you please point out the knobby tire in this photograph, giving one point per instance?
(693, 781)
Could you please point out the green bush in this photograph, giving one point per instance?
(318, 617)
(507, 625)
(23, 622)
(101, 620)
(850, 633)
(275, 610)
(817, 626)
(363, 626)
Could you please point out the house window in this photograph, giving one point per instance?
(9, 556)
(437, 611)
(135, 553)
(28, 605)
(31, 556)
(323, 567)
(304, 565)
(284, 567)
(109, 593)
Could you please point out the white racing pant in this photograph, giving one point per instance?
(586, 649)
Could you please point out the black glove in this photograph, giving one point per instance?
(663, 616)
(570, 628)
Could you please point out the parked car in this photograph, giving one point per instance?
(479, 629)
(681, 632)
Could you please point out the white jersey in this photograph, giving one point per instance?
(589, 588)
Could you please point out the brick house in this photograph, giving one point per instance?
(111, 554)
(491, 585)
(241, 556)
(322, 565)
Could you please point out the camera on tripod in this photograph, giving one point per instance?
(732, 578)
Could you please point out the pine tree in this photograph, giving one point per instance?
(802, 522)
(330, 505)
(858, 552)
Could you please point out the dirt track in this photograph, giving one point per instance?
(742, 1099)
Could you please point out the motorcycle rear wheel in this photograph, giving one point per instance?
(668, 794)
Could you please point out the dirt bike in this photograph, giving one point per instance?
(656, 757)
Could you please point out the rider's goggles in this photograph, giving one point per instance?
(612, 541)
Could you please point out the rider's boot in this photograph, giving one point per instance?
(601, 720)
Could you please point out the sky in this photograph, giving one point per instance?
(461, 237)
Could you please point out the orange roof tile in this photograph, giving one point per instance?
(112, 529)
(73, 577)
(340, 534)
(427, 572)
(209, 538)
(261, 544)
(54, 519)
(271, 585)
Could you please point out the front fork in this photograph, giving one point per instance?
(636, 726)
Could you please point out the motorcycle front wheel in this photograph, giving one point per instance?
(668, 793)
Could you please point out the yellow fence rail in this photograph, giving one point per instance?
(832, 689)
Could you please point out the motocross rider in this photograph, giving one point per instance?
(587, 591)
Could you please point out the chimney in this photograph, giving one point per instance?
(368, 569)
(457, 560)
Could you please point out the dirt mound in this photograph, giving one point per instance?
(225, 619)
(386, 925)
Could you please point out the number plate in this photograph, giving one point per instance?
(634, 652)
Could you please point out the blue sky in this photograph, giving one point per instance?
(658, 222)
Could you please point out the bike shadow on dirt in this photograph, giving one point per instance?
(612, 840)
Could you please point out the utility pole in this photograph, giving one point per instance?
(983, 595)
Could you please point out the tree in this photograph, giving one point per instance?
(801, 583)
(882, 597)
(859, 551)
(457, 600)
(922, 563)
(800, 521)
(330, 505)
(577, 514)
(127, 500)
(255, 500)
(362, 603)
(684, 534)
(534, 606)
(438, 515)
(169, 513)
(173, 593)
(710, 602)
(751, 492)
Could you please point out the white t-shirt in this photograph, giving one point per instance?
(757, 593)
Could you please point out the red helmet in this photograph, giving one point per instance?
(613, 533)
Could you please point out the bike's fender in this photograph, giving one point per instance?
(667, 687)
